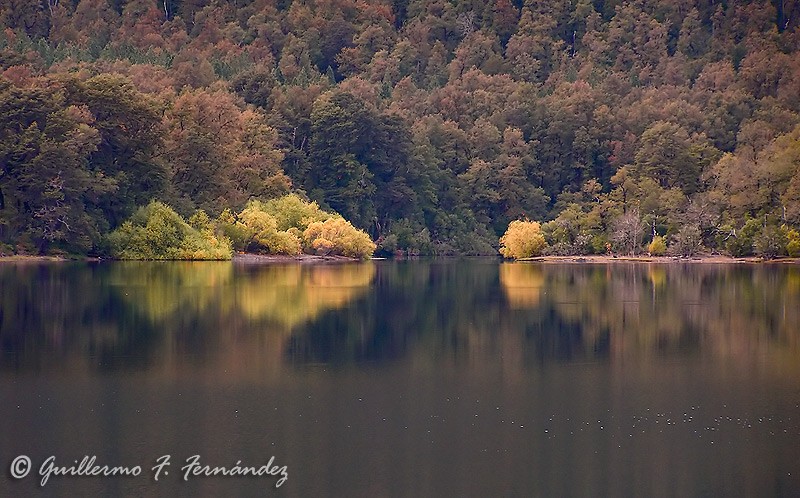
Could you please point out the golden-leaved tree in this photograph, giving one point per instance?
(523, 239)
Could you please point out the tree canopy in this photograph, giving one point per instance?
(430, 125)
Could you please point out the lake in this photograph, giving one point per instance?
(409, 378)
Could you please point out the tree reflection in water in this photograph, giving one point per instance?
(140, 315)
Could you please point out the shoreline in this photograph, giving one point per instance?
(251, 258)
(240, 258)
(699, 259)
(24, 258)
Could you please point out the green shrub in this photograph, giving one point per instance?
(472, 243)
(200, 221)
(234, 230)
(257, 231)
(291, 211)
(657, 247)
(337, 236)
(276, 242)
(411, 238)
(6, 249)
(574, 231)
(688, 241)
(770, 242)
(523, 239)
(157, 232)
(25, 245)
(557, 249)
(388, 244)
(600, 243)
(583, 244)
(289, 225)
(723, 235)
(261, 232)
(256, 220)
(793, 243)
(741, 244)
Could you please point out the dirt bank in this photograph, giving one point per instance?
(710, 258)
(282, 258)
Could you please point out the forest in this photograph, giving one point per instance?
(627, 126)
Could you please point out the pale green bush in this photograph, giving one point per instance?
(290, 211)
(771, 242)
(157, 232)
(262, 232)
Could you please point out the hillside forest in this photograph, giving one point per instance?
(431, 125)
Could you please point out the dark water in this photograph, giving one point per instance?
(457, 378)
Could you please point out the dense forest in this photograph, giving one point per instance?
(430, 124)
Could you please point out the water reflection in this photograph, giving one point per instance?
(641, 310)
(427, 378)
(286, 295)
(136, 314)
(522, 284)
(157, 290)
(293, 294)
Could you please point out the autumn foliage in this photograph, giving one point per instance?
(337, 236)
(523, 239)
(289, 225)
(429, 125)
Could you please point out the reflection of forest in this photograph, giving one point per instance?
(157, 290)
(254, 320)
(285, 295)
(648, 309)
(456, 312)
(133, 313)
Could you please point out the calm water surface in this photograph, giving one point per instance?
(427, 378)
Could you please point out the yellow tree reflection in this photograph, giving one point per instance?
(290, 295)
(522, 283)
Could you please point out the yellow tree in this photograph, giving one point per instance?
(523, 239)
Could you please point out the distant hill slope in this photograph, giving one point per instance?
(429, 124)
